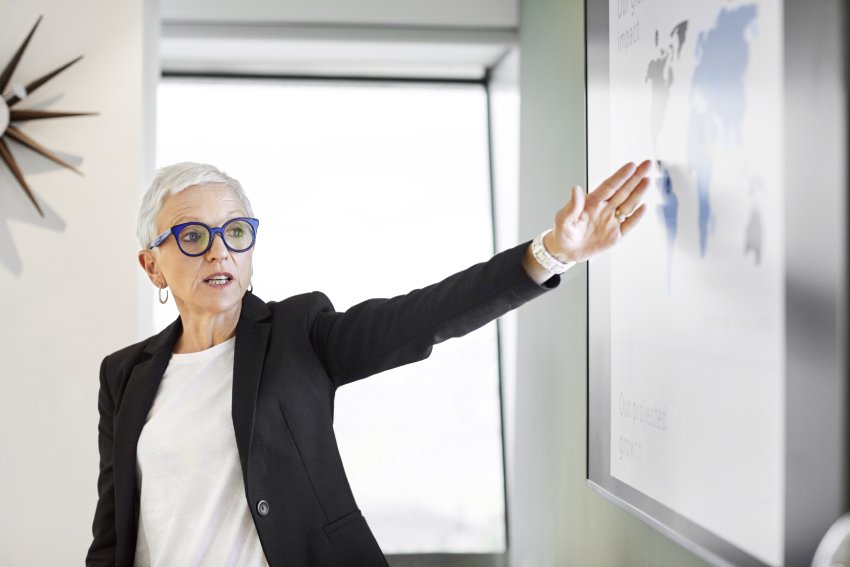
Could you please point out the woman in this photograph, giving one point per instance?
(216, 435)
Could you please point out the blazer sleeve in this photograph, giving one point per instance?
(379, 334)
(102, 551)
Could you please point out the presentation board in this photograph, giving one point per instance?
(695, 320)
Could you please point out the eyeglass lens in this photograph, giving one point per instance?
(195, 238)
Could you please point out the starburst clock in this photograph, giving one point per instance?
(10, 115)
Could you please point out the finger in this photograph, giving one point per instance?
(635, 197)
(628, 186)
(610, 185)
(576, 205)
(627, 225)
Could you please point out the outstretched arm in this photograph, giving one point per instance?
(379, 334)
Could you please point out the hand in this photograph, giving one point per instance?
(588, 225)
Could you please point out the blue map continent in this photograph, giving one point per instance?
(722, 54)
(660, 75)
(669, 209)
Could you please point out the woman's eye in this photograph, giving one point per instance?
(191, 237)
(236, 231)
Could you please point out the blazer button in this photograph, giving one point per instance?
(262, 508)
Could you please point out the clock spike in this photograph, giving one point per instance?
(10, 161)
(19, 90)
(41, 80)
(22, 115)
(25, 140)
(10, 68)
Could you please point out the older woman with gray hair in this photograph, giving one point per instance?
(216, 434)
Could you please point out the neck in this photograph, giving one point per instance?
(204, 330)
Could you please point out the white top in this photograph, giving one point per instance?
(193, 510)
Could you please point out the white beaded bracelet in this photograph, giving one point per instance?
(545, 259)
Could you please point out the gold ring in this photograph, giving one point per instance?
(619, 215)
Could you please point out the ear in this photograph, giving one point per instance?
(148, 261)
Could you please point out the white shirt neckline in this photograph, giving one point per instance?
(193, 357)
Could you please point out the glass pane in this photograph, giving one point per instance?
(371, 190)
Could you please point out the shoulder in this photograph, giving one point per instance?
(128, 353)
(125, 357)
(115, 368)
(307, 303)
(299, 311)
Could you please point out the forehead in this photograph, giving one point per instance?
(211, 204)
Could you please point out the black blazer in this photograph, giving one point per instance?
(290, 357)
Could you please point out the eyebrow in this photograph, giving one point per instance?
(185, 218)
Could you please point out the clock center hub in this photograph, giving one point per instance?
(4, 116)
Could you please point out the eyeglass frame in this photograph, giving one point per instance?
(177, 228)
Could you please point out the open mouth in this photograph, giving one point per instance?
(219, 280)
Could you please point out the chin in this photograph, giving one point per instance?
(226, 300)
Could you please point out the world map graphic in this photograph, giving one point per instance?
(687, 316)
(718, 104)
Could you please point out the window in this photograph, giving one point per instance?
(371, 189)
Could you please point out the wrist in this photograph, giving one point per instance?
(550, 244)
(544, 258)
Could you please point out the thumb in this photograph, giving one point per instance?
(576, 205)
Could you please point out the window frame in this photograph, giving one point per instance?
(500, 559)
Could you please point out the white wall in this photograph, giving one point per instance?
(69, 282)
(413, 13)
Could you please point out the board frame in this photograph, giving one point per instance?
(817, 491)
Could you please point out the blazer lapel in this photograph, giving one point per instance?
(252, 337)
(252, 333)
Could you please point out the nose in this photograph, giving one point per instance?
(218, 250)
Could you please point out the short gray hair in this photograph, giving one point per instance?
(173, 179)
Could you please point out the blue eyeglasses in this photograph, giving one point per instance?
(195, 238)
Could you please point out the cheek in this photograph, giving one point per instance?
(181, 268)
(247, 266)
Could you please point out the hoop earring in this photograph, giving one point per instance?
(161, 300)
